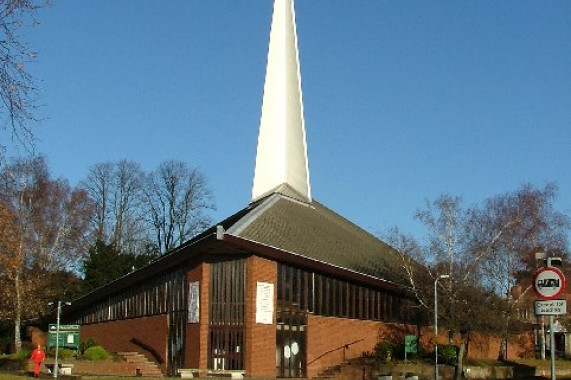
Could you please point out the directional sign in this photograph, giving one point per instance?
(549, 283)
(551, 307)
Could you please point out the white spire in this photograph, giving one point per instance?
(282, 151)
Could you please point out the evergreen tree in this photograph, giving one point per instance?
(105, 263)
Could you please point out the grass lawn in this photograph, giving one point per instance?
(22, 375)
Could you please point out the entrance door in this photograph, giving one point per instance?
(295, 290)
(291, 345)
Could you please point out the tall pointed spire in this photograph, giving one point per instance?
(281, 158)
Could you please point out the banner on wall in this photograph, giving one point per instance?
(265, 303)
(193, 302)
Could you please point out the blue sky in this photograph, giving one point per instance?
(404, 100)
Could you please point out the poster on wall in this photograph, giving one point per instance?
(193, 301)
(265, 303)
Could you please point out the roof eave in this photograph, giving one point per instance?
(281, 255)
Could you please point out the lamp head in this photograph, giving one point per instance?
(554, 261)
(540, 255)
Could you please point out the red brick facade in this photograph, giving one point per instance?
(333, 340)
(260, 338)
(117, 336)
(196, 335)
(330, 340)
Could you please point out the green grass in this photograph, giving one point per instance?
(22, 375)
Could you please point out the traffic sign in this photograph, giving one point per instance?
(551, 307)
(549, 283)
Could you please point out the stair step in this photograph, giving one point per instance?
(145, 367)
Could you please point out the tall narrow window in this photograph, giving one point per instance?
(291, 329)
(227, 314)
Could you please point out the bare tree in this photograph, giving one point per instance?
(18, 91)
(99, 184)
(518, 224)
(50, 222)
(484, 250)
(116, 189)
(177, 198)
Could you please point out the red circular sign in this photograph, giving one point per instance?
(549, 283)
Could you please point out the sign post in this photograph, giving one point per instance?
(548, 285)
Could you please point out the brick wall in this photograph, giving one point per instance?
(488, 346)
(260, 338)
(116, 336)
(483, 346)
(333, 340)
(204, 315)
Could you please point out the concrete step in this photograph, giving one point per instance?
(145, 367)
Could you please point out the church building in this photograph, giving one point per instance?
(283, 288)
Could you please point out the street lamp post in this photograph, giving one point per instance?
(58, 314)
(436, 324)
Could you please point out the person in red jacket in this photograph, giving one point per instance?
(38, 356)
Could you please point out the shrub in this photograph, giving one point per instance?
(5, 343)
(23, 354)
(96, 353)
(384, 351)
(66, 353)
(87, 343)
(62, 353)
(418, 355)
(447, 354)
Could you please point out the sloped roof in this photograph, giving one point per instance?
(297, 229)
(316, 232)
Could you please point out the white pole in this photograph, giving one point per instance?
(436, 330)
(542, 338)
(436, 324)
(552, 346)
(57, 338)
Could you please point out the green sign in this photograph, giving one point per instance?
(67, 328)
(410, 344)
(68, 336)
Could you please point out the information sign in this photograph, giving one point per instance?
(68, 336)
(550, 307)
(410, 344)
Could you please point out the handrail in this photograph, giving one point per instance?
(148, 348)
(345, 346)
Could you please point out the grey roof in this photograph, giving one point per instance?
(296, 229)
(314, 231)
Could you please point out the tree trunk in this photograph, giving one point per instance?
(17, 316)
(503, 354)
(461, 352)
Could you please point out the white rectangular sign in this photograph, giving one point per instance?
(551, 307)
(265, 303)
(193, 302)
